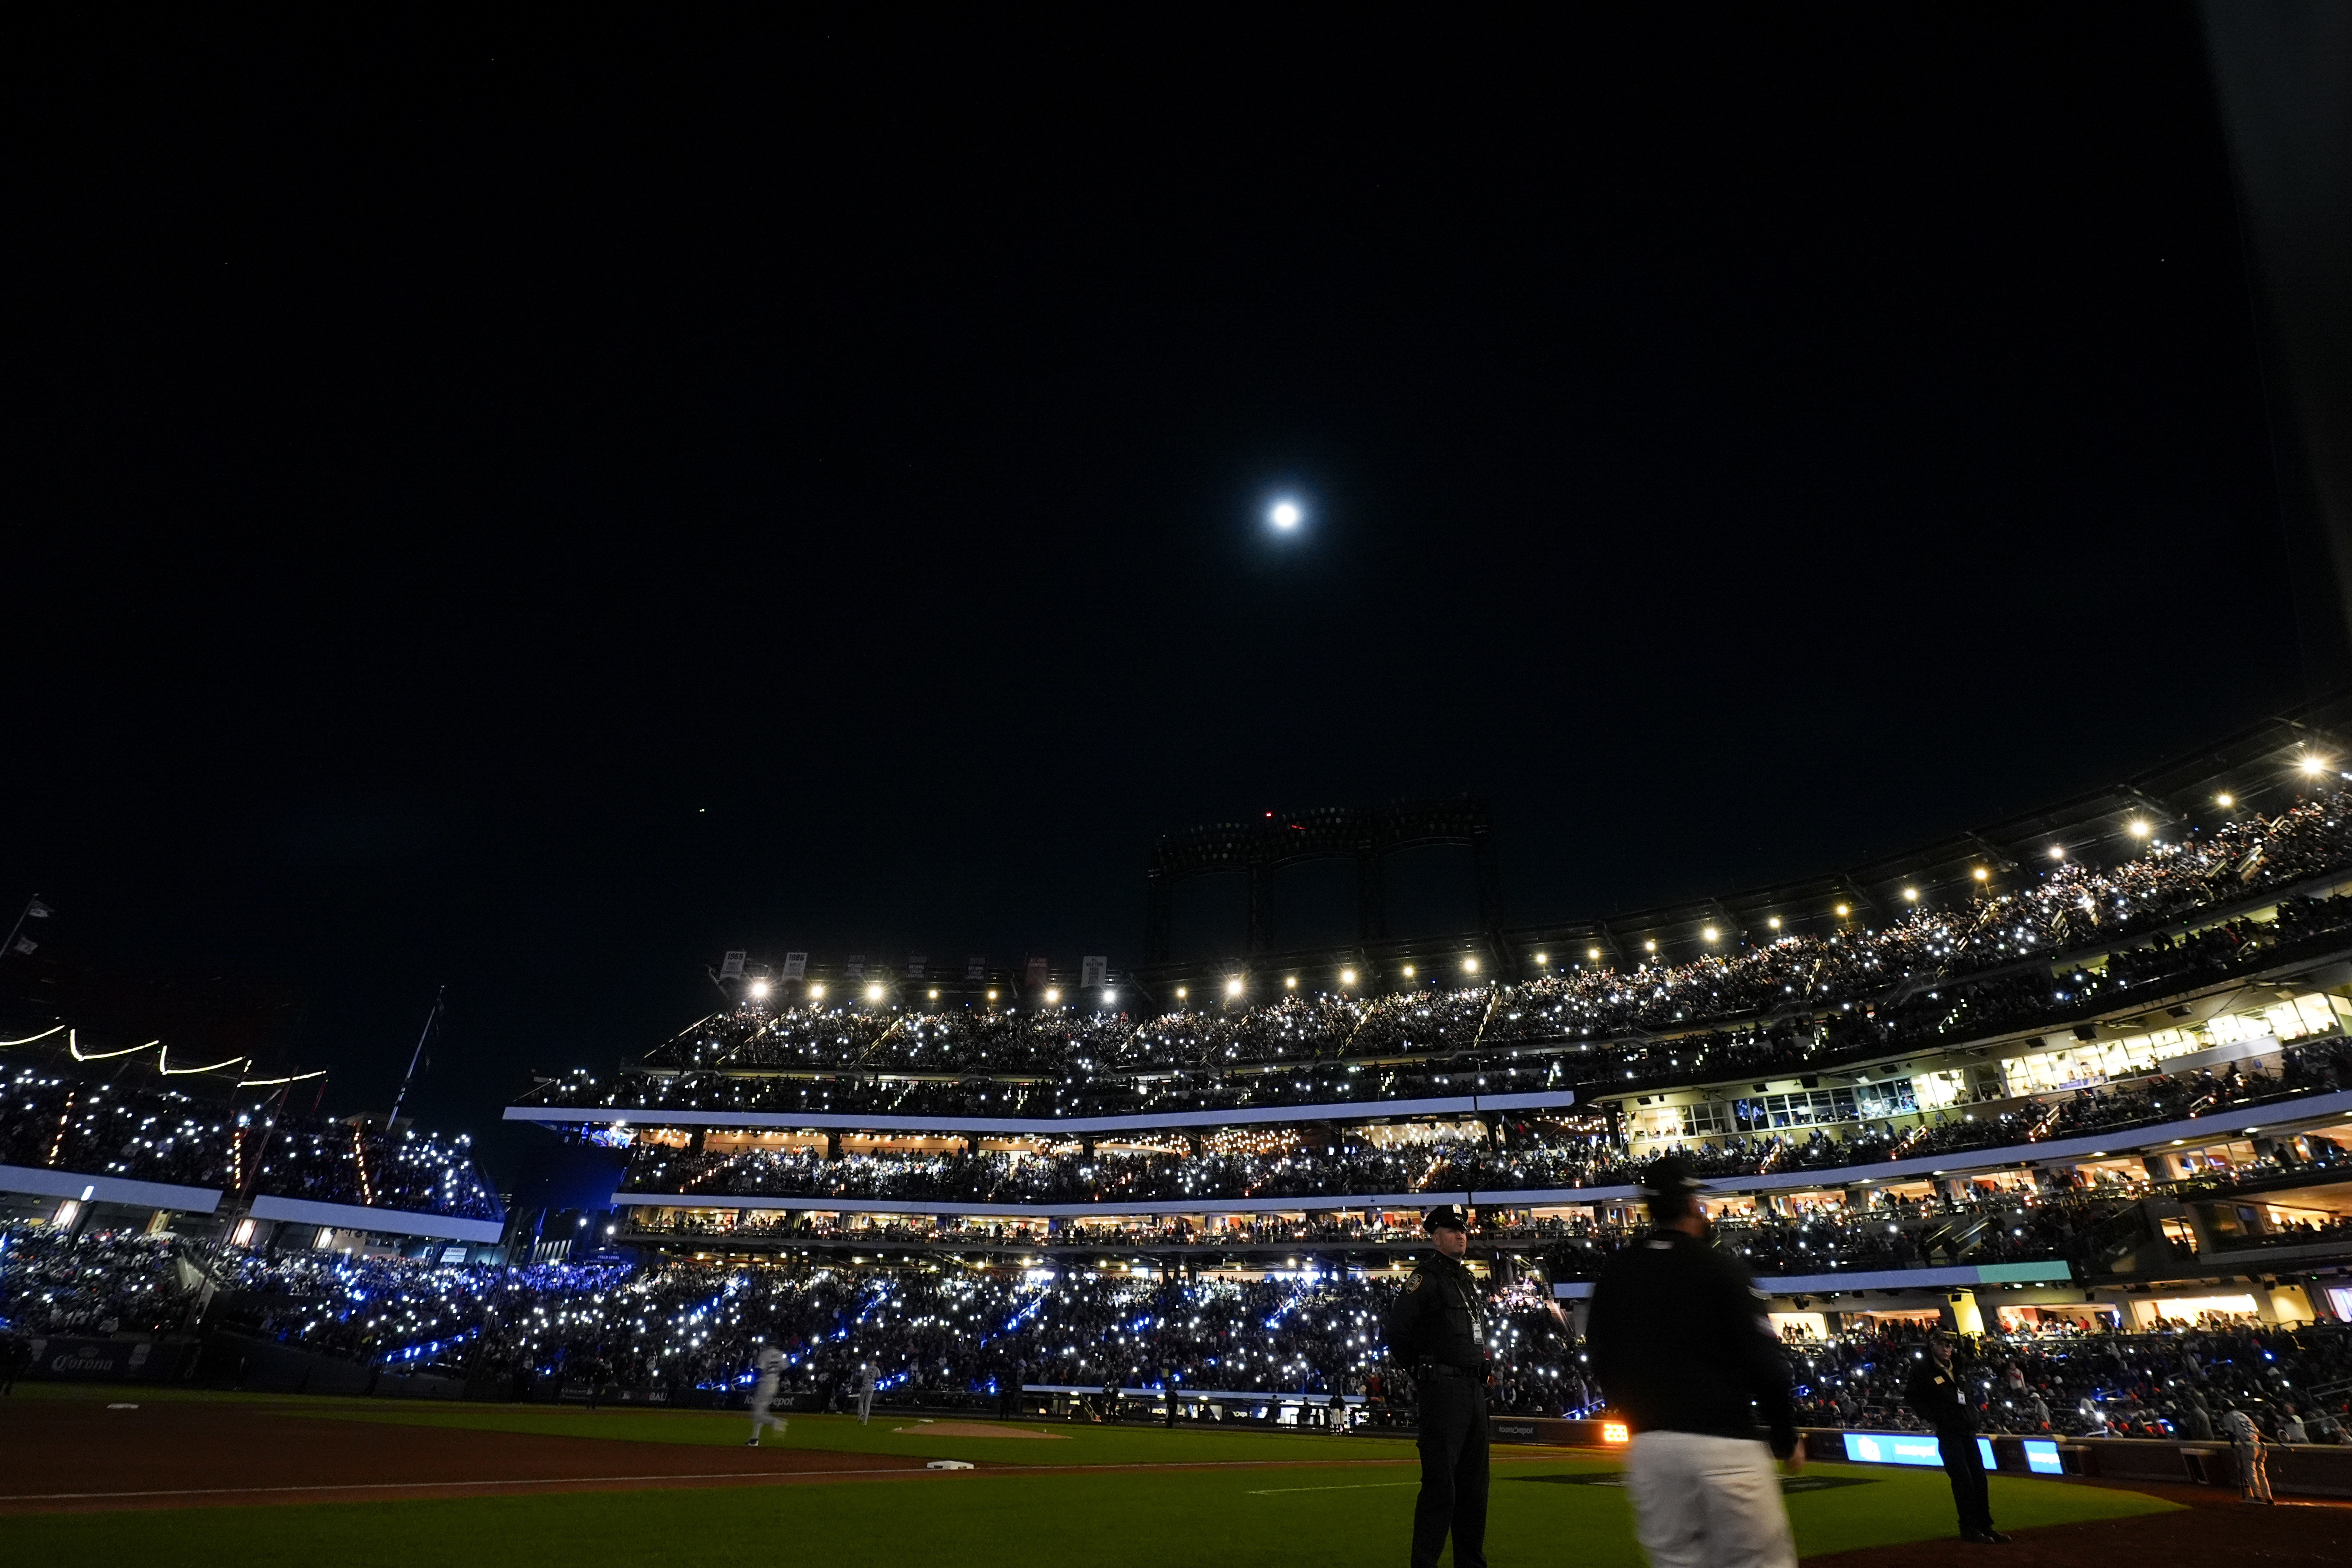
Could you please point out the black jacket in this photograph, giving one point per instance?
(1680, 1339)
(1441, 1315)
(1939, 1396)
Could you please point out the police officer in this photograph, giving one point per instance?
(1438, 1328)
(1685, 1353)
(1935, 1393)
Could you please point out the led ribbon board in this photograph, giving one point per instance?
(1913, 1449)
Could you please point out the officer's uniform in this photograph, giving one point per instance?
(1684, 1351)
(1935, 1394)
(1438, 1328)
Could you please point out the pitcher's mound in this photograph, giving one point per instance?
(974, 1429)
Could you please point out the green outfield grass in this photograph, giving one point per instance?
(1069, 1443)
(1269, 1513)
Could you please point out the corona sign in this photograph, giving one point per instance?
(1615, 1432)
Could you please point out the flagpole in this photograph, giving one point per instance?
(414, 1058)
(14, 931)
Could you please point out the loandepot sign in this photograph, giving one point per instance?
(1903, 1448)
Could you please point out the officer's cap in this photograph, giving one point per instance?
(1445, 1217)
(1669, 1176)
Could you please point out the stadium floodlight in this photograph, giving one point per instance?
(2057, 852)
(934, 993)
(2314, 765)
(1843, 912)
(873, 992)
(992, 995)
(1774, 922)
(1347, 976)
(1184, 991)
(2225, 799)
(1470, 966)
(1290, 982)
(816, 992)
(1710, 934)
(1651, 946)
(1981, 875)
(2138, 827)
(758, 988)
(1052, 995)
(1408, 971)
(1910, 896)
(1593, 954)
(1286, 514)
(1543, 957)
(1109, 996)
(1233, 987)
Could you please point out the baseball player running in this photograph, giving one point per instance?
(770, 1364)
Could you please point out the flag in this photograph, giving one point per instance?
(37, 910)
(795, 966)
(731, 967)
(24, 945)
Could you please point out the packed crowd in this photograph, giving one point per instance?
(937, 1337)
(2068, 907)
(59, 1114)
(1060, 1064)
(1538, 1154)
(1160, 1233)
(110, 1282)
(1916, 980)
(943, 1335)
(2006, 1229)
(2173, 1385)
(1263, 1165)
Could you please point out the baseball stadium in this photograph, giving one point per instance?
(1089, 1261)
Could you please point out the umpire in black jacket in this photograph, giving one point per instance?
(1438, 1328)
(1935, 1392)
(1685, 1353)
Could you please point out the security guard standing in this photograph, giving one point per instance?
(1935, 1393)
(1438, 1328)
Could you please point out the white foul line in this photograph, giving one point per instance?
(422, 1485)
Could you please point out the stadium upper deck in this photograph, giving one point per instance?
(2070, 943)
(109, 1127)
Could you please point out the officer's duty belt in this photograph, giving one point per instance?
(1447, 1367)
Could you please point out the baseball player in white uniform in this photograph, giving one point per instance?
(770, 1364)
(865, 1379)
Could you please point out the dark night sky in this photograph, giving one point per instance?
(530, 512)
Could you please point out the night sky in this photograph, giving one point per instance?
(528, 512)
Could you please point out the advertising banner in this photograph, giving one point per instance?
(93, 1360)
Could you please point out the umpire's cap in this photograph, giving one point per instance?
(1669, 1176)
(1445, 1217)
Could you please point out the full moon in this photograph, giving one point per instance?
(1286, 514)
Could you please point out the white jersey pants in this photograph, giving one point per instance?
(1708, 1502)
(763, 1395)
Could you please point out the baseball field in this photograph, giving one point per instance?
(120, 1477)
